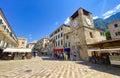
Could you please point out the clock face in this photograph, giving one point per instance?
(75, 22)
(88, 21)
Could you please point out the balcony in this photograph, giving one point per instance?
(1, 28)
(7, 36)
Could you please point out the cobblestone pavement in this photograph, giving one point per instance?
(42, 67)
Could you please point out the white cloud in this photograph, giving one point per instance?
(67, 21)
(95, 17)
(107, 16)
(35, 41)
(117, 7)
(111, 12)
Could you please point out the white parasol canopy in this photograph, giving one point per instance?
(17, 50)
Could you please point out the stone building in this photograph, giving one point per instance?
(57, 38)
(67, 43)
(22, 42)
(31, 45)
(83, 33)
(114, 28)
(41, 44)
(7, 36)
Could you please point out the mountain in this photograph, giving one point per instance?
(113, 18)
(102, 23)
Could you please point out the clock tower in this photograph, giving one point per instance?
(82, 32)
(82, 18)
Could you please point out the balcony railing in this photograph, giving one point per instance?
(8, 36)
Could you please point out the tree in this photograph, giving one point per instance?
(107, 33)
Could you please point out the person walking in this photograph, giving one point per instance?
(66, 57)
(36, 54)
(23, 56)
(71, 57)
(75, 56)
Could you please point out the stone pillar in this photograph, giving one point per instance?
(84, 53)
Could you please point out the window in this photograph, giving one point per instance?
(68, 44)
(4, 27)
(91, 35)
(58, 43)
(117, 33)
(65, 44)
(61, 34)
(61, 28)
(67, 37)
(58, 36)
(7, 30)
(11, 34)
(55, 32)
(115, 25)
(22, 42)
(102, 33)
(1, 21)
(61, 42)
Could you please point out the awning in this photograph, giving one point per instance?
(58, 50)
(107, 50)
(17, 50)
(67, 49)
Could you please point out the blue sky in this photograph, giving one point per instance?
(35, 19)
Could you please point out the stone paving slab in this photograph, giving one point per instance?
(39, 68)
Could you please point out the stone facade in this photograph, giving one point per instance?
(41, 44)
(114, 29)
(31, 45)
(7, 36)
(57, 38)
(83, 33)
(22, 42)
(67, 39)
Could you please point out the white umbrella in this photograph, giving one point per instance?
(17, 50)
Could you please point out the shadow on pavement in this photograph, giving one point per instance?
(103, 68)
(46, 57)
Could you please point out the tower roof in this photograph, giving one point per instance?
(76, 13)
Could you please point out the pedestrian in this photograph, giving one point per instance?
(71, 56)
(23, 56)
(36, 54)
(58, 55)
(61, 56)
(66, 56)
(75, 55)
